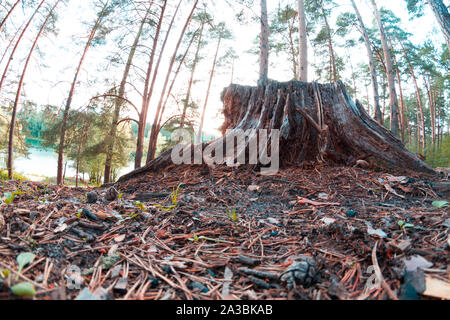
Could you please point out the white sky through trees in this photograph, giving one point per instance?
(53, 67)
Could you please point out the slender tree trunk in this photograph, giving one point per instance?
(155, 73)
(442, 16)
(211, 75)
(173, 80)
(432, 110)
(19, 90)
(389, 73)
(147, 92)
(10, 43)
(303, 43)
(191, 78)
(419, 97)
(11, 56)
(402, 105)
(119, 102)
(292, 49)
(397, 72)
(333, 72)
(154, 131)
(373, 72)
(2, 25)
(418, 126)
(62, 136)
(264, 45)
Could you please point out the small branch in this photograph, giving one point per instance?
(379, 275)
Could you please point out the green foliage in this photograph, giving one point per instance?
(24, 258)
(16, 176)
(232, 215)
(440, 204)
(8, 197)
(24, 289)
(173, 199)
(439, 156)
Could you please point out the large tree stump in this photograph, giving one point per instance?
(318, 123)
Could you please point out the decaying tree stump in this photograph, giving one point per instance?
(318, 123)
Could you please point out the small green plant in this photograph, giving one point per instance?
(8, 197)
(232, 215)
(16, 176)
(197, 238)
(173, 198)
(140, 205)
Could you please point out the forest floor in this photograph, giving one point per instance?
(317, 233)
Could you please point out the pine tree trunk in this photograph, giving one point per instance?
(419, 97)
(397, 72)
(373, 72)
(11, 56)
(432, 110)
(292, 50)
(333, 72)
(264, 45)
(19, 91)
(191, 78)
(443, 17)
(2, 25)
(62, 135)
(169, 92)
(402, 106)
(211, 75)
(303, 43)
(119, 102)
(389, 72)
(155, 130)
(148, 92)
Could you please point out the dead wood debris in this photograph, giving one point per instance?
(282, 242)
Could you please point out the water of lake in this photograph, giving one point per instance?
(43, 163)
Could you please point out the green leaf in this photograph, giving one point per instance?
(440, 204)
(24, 258)
(4, 273)
(24, 289)
(140, 205)
(8, 197)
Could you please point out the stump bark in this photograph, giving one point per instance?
(318, 123)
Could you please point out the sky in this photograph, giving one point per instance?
(51, 72)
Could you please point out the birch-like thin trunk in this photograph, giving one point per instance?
(2, 25)
(373, 72)
(11, 56)
(303, 43)
(62, 135)
(154, 131)
(389, 73)
(19, 91)
(211, 75)
(264, 45)
(119, 102)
